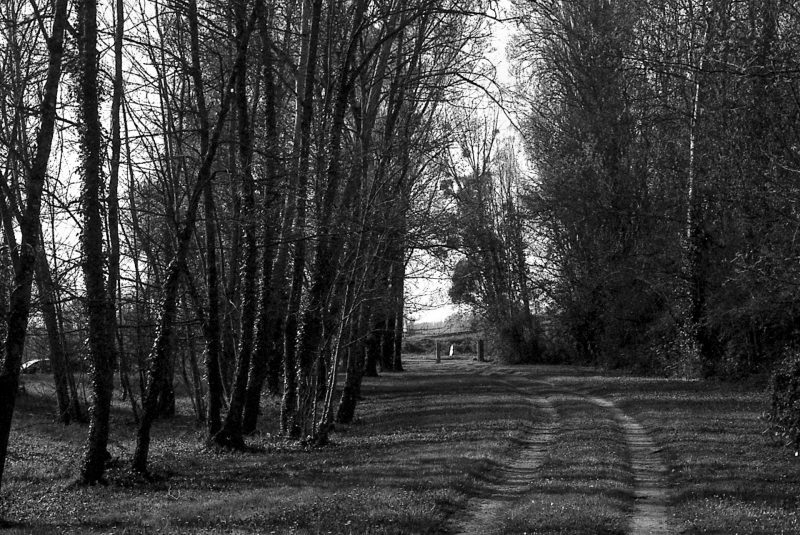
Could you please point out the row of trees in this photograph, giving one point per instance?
(256, 172)
(664, 139)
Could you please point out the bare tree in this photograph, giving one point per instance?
(24, 256)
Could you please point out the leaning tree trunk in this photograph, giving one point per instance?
(67, 410)
(67, 405)
(363, 345)
(346, 292)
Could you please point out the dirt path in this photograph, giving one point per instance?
(518, 476)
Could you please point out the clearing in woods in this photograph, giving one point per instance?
(454, 447)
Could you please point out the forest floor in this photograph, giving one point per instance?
(454, 447)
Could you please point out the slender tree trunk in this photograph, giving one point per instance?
(323, 426)
(113, 181)
(157, 362)
(68, 410)
(264, 364)
(371, 354)
(387, 336)
(356, 270)
(58, 354)
(213, 332)
(138, 289)
(213, 350)
(312, 12)
(398, 292)
(696, 240)
(363, 350)
(124, 378)
(351, 391)
(231, 433)
(6, 276)
(197, 379)
(230, 306)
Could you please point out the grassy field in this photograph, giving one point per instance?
(426, 445)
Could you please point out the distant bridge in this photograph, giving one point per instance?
(435, 332)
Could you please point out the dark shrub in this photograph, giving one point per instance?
(418, 345)
(784, 412)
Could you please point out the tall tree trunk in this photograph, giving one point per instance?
(112, 200)
(397, 300)
(138, 289)
(213, 331)
(306, 72)
(230, 306)
(231, 433)
(695, 257)
(264, 364)
(99, 343)
(113, 178)
(6, 276)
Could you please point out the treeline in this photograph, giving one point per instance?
(247, 180)
(664, 136)
(494, 275)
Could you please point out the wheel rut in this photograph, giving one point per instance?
(649, 474)
(650, 487)
(517, 477)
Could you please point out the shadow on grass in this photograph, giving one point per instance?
(427, 441)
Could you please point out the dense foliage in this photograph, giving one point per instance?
(664, 139)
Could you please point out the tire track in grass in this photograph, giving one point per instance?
(650, 492)
(649, 516)
(517, 477)
(649, 474)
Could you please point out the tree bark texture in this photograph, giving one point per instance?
(100, 344)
